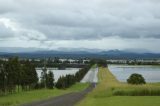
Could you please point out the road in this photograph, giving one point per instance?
(91, 76)
(65, 100)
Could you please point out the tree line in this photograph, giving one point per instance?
(56, 62)
(15, 76)
(99, 62)
(46, 80)
(68, 80)
(18, 76)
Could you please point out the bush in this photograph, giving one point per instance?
(136, 79)
(136, 92)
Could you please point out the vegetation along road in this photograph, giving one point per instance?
(64, 100)
(70, 99)
(110, 92)
(26, 97)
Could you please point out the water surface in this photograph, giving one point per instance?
(57, 73)
(122, 72)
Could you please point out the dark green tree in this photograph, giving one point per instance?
(44, 77)
(57, 60)
(68, 80)
(136, 79)
(59, 83)
(50, 80)
(15, 73)
(12, 68)
(30, 77)
(3, 79)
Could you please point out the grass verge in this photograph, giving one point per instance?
(105, 94)
(35, 95)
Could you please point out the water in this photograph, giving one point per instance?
(122, 72)
(57, 73)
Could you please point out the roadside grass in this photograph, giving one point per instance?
(35, 95)
(119, 88)
(110, 92)
(78, 87)
(122, 101)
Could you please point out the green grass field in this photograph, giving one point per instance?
(34, 95)
(103, 94)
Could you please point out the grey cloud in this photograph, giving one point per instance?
(5, 32)
(7, 6)
(70, 19)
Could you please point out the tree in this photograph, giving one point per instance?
(99, 62)
(12, 68)
(57, 60)
(3, 75)
(60, 83)
(29, 74)
(44, 77)
(136, 79)
(15, 73)
(68, 80)
(50, 80)
(62, 66)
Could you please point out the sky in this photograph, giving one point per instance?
(92, 24)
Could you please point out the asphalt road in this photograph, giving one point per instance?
(65, 100)
(91, 76)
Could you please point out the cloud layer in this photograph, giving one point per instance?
(50, 20)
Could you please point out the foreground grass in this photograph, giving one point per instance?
(122, 101)
(35, 95)
(108, 86)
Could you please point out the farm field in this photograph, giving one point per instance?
(109, 90)
(35, 95)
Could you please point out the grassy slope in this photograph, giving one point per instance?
(102, 94)
(29, 96)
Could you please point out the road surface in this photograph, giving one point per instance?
(65, 100)
(91, 76)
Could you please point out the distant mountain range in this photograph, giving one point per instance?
(78, 53)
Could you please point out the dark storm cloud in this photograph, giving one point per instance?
(84, 19)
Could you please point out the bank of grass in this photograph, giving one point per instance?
(118, 88)
(111, 92)
(35, 95)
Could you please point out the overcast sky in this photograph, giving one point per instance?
(93, 24)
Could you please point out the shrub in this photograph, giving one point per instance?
(136, 92)
(136, 79)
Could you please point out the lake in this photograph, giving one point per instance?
(57, 73)
(122, 72)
